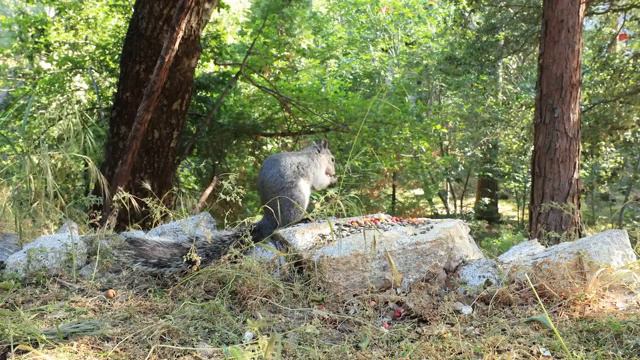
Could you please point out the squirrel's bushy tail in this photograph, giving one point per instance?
(159, 255)
(263, 229)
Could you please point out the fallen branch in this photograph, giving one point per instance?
(205, 194)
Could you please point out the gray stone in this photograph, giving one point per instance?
(462, 308)
(202, 225)
(380, 255)
(101, 245)
(303, 238)
(9, 244)
(53, 254)
(69, 227)
(521, 252)
(273, 253)
(480, 273)
(610, 248)
(268, 251)
(132, 233)
(88, 271)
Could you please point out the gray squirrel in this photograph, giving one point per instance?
(285, 183)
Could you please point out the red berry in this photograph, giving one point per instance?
(398, 312)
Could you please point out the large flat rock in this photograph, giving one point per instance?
(376, 252)
(610, 248)
(52, 254)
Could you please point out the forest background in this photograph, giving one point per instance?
(418, 100)
(428, 107)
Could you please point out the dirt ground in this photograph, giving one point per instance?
(238, 309)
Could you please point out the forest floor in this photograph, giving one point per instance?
(237, 309)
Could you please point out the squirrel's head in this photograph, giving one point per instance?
(326, 175)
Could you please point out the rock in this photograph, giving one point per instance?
(270, 253)
(87, 271)
(544, 352)
(132, 233)
(52, 254)
(9, 244)
(102, 245)
(610, 248)
(521, 251)
(202, 225)
(248, 336)
(305, 237)
(462, 308)
(69, 227)
(480, 273)
(378, 252)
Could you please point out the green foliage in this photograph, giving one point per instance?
(496, 240)
(423, 95)
(58, 66)
(546, 320)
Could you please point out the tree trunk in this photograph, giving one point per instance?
(454, 198)
(486, 204)
(394, 185)
(443, 194)
(465, 187)
(555, 187)
(154, 164)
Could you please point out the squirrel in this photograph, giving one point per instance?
(285, 183)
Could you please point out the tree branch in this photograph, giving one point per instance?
(289, 133)
(282, 98)
(218, 104)
(612, 9)
(205, 194)
(614, 40)
(632, 92)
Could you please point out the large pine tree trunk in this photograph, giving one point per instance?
(155, 162)
(555, 193)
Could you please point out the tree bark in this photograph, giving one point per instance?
(486, 203)
(394, 198)
(154, 163)
(465, 187)
(555, 191)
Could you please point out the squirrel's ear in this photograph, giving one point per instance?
(324, 143)
(317, 145)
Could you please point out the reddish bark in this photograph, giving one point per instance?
(152, 23)
(555, 194)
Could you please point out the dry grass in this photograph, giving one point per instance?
(237, 309)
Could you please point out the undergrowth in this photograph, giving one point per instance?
(238, 308)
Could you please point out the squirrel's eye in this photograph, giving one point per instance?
(333, 159)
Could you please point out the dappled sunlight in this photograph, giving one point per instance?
(167, 189)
